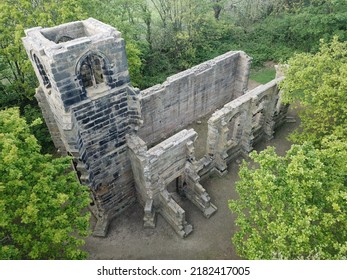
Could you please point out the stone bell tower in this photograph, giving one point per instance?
(89, 106)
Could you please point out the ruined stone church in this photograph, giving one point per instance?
(130, 145)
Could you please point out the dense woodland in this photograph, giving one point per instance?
(167, 36)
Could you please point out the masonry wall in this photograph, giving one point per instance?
(163, 163)
(156, 168)
(51, 123)
(85, 121)
(192, 94)
(234, 129)
(99, 129)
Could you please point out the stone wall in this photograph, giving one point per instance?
(192, 94)
(50, 121)
(154, 169)
(89, 106)
(241, 123)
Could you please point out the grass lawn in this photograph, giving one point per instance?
(263, 75)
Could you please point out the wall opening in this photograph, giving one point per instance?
(42, 72)
(91, 71)
(176, 187)
(66, 33)
(258, 119)
(234, 130)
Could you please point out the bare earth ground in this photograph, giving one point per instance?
(211, 238)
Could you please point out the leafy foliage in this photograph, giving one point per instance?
(41, 202)
(33, 113)
(293, 207)
(162, 38)
(17, 78)
(297, 27)
(318, 84)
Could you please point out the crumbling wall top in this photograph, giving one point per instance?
(66, 36)
(194, 71)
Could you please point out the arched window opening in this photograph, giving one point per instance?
(42, 72)
(234, 130)
(86, 73)
(258, 119)
(98, 74)
(91, 71)
(259, 116)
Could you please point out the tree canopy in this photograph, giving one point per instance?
(293, 207)
(317, 83)
(17, 79)
(41, 202)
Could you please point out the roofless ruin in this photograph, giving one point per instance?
(130, 145)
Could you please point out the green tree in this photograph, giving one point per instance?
(17, 79)
(42, 206)
(317, 83)
(293, 207)
(183, 33)
(282, 28)
(129, 17)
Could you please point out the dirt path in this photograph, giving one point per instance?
(127, 239)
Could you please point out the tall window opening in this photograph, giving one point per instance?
(92, 71)
(235, 130)
(259, 117)
(42, 72)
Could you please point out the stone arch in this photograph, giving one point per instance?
(234, 129)
(262, 101)
(278, 105)
(42, 71)
(91, 69)
(259, 116)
